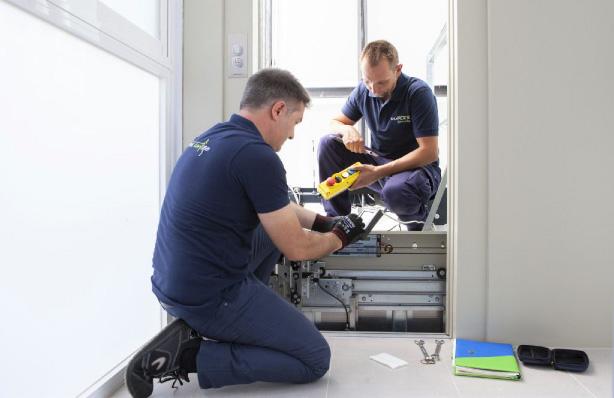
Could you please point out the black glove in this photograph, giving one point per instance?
(324, 223)
(348, 229)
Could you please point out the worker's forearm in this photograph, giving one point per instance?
(311, 245)
(314, 245)
(337, 127)
(305, 216)
(412, 160)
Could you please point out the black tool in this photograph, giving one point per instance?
(378, 215)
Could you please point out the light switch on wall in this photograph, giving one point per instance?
(237, 55)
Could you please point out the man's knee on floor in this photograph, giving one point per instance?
(321, 364)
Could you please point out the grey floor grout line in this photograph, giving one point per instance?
(331, 370)
(582, 385)
(456, 387)
(330, 375)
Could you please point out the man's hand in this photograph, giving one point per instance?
(324, 223)
(353, 140)
(368, 175)
(348, 229)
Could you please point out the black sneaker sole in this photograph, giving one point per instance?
(138, 386)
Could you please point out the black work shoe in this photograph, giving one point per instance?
(162, 358)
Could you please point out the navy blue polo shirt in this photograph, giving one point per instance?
(221, 181)
(409, 113)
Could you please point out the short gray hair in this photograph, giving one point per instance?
(270, 85)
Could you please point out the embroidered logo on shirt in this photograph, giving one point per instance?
(200, 146)
(401, 119)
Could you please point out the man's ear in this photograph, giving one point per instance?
(277, 108)
(398, 68)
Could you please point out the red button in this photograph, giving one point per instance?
(330, 181)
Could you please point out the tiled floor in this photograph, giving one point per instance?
(354, 375)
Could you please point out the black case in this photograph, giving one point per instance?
(561, 359)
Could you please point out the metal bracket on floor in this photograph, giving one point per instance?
(428, 360)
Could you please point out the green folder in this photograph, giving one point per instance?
(485, 359)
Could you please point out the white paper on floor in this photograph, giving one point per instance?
(388, 360)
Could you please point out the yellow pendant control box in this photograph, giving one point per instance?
(338, 182)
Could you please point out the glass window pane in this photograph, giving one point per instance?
(412, 26)
(317, 41)
(299, 154)
(143, 13)
(79, 170)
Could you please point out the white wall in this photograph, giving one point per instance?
(469, 171)
(238, 19)
(550, 143)
(203, 60)
(209, 96)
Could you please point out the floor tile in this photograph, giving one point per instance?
(271, 390)
(598, 377)
(354, 375)
(254, 390)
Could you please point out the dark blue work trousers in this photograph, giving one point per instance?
(252, 333)
(406, 194)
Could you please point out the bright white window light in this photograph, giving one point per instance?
(143, 13)
(411, 25)
(79, 200)
(299, 155)
(317, 41)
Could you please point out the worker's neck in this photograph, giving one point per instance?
(257, 117)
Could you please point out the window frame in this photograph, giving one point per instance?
(266, 47)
